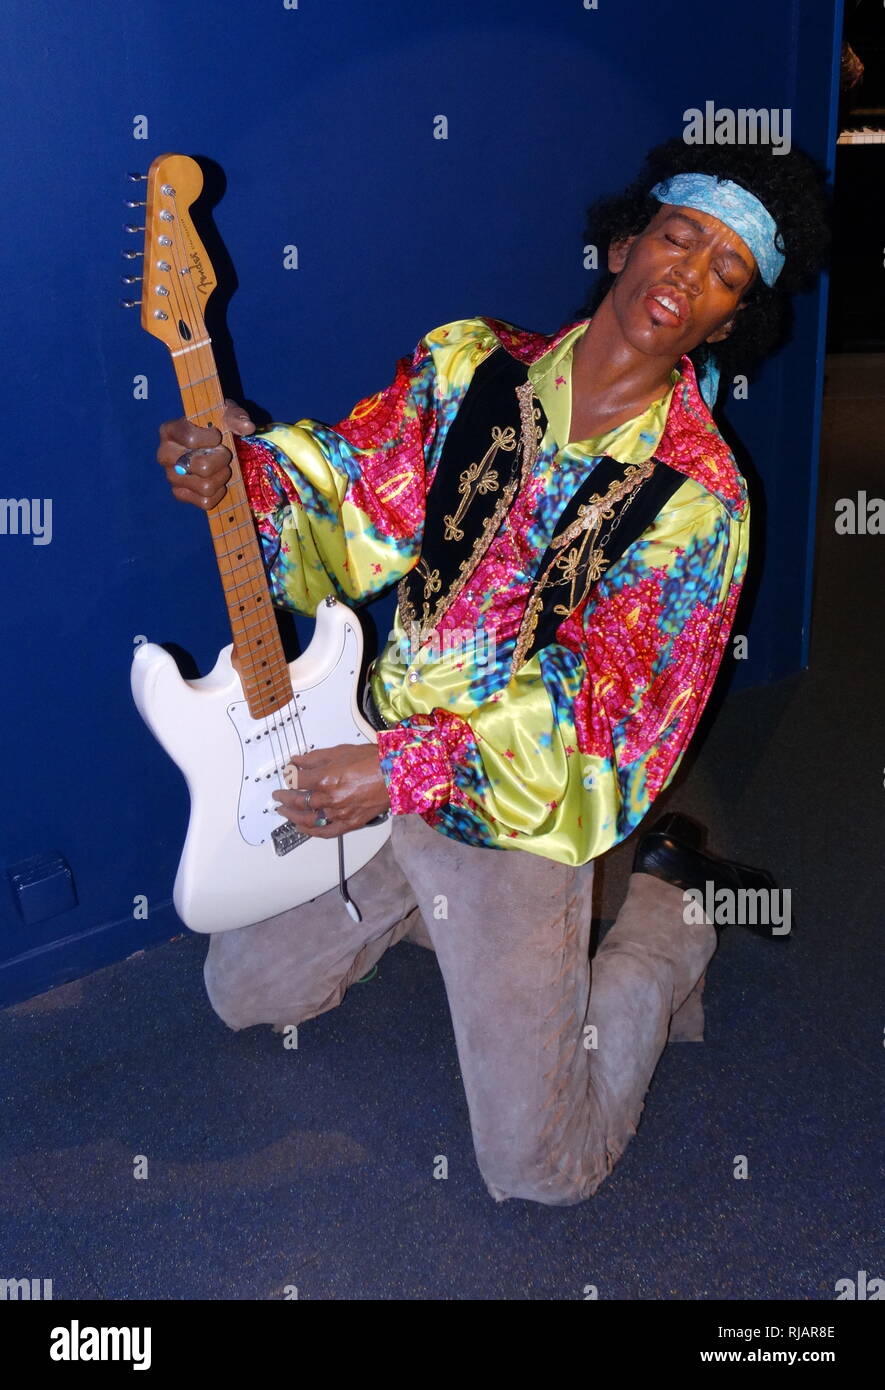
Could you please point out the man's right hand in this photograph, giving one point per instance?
(206, 482)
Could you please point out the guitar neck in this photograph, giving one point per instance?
(262, 664)
(178, 280)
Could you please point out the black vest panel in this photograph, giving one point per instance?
(487, 457)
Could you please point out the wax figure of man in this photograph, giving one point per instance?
(569, 532)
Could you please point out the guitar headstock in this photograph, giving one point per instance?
(178, 275)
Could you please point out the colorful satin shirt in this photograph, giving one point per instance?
(564, 757)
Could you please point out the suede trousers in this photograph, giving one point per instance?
(556, 1051)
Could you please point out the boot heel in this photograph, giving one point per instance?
(687, 1023)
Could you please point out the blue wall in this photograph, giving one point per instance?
(321, 118)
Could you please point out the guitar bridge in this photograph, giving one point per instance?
(287, 837)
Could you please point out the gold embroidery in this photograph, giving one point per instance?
(567, 565)
(405, 605)
(432, 581)
(529, 437)
(485, 477)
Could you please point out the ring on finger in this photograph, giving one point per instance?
(183, 466)
(320, 819)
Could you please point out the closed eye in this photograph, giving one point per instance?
(727, 283)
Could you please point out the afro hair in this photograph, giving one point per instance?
(790, 185)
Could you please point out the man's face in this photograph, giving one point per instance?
(694, 261)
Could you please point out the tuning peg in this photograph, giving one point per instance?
(136, 178)
(130, 303)
(130, 279)
(132, 255)
(128, 203)
(130, 228)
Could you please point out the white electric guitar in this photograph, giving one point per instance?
(232, 734)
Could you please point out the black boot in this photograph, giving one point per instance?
(676, 860)
(680, 828)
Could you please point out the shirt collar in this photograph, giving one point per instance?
(631, 442)
(690, 442)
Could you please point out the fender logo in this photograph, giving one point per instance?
(203, 282)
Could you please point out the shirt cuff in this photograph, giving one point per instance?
(266, 487)
(418, 758)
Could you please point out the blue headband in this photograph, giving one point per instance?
(733, 205)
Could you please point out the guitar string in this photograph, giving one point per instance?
(183, 285)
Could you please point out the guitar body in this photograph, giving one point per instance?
(242, 861)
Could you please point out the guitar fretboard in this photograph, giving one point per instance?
(178, 280)
(263, 667)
